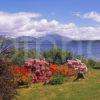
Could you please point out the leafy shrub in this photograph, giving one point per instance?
(97, 65)
(91, 63)
(57, 55)
(58, 78)
(19, 57)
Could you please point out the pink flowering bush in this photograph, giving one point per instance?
(40, 70)
(77, 65)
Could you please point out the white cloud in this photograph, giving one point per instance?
(21, 14)
(90, 15)
(26, 24)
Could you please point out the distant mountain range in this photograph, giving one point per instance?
(47, 38)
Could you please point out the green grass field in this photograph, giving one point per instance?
(88, 89)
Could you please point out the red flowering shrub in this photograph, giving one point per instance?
(65, 70)
(22, 77)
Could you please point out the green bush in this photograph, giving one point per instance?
(93, 64)
(97, 65)
(57, 55)
(58, 78)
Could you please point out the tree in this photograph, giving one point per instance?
(7, 86)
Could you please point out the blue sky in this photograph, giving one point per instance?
(63, 11)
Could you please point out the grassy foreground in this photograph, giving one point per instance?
(88, 89)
